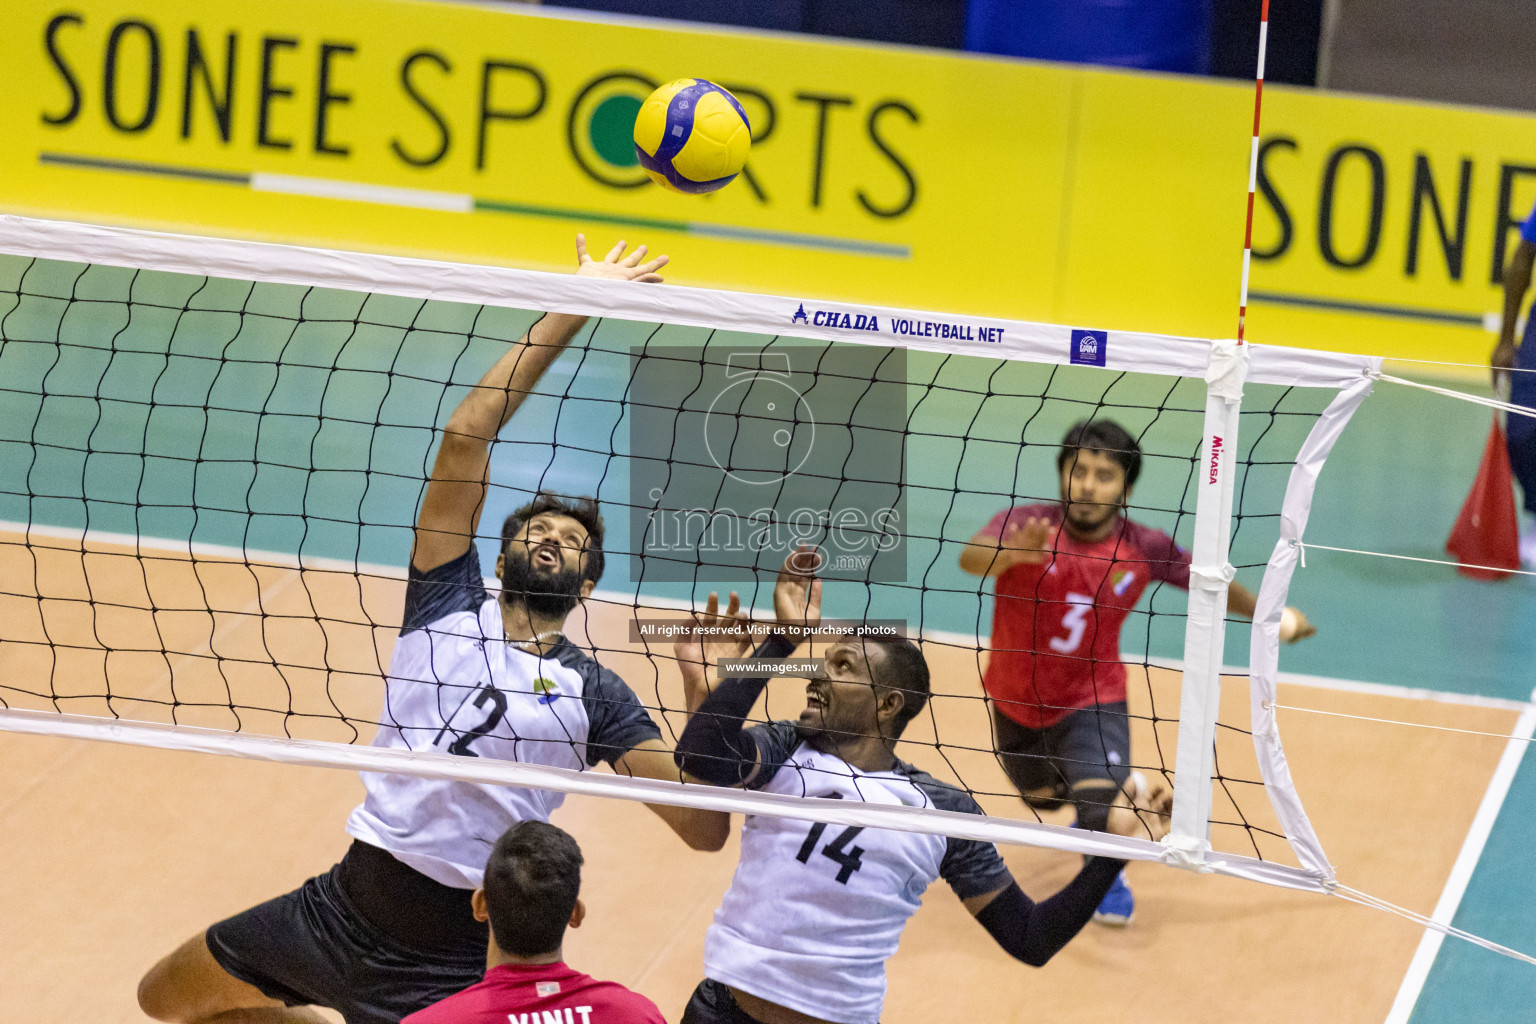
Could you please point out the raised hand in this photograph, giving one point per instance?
(1143, 810)
(714, 636)
(1294, 626)
(1027, 542)
(797, 594)
(617, 266)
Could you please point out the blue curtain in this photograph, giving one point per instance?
(1160, 35)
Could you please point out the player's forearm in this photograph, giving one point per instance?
(977, 560)
(1517, 279)
(706, 831)
(700, 829)
(1241, 600)
(502, 389)
(1035, 932)
(987, 560)
(714, 746)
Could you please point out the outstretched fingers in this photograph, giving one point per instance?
(618, 266)
(712, 616)
(646, 272)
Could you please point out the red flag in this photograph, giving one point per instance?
(1488, 532)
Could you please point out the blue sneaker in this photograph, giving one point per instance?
(1118, 905)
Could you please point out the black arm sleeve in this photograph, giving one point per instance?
(1035, 932)
(713, 746)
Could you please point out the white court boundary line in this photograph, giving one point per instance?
(1466, 862)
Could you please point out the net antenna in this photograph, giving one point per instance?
(1212, 572)
(1253, 169)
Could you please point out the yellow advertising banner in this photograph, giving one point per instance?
(894, 176)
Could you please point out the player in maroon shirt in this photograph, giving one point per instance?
(1067, 576)
(529, 897)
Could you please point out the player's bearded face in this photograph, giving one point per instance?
(541, 575)
(1092, 490)
(840, 702)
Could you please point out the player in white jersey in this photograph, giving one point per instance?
(390, 929)
(814, 911)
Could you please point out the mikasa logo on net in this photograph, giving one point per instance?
(1215, 457)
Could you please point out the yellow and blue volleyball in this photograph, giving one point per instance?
(692, 136)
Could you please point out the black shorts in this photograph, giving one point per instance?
(714, 1003)
(1089, 745)
(1522, 461)
(313, 947)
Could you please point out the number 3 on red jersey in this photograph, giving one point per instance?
(1075, 621)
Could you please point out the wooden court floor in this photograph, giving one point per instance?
(113, 855)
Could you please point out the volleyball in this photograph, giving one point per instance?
(692, 136)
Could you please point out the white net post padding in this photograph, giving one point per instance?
(1206, 627)
(1224, 366)
(1264, 653)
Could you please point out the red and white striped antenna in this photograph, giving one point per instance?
(1253, 168)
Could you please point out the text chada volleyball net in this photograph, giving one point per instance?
(213, 454)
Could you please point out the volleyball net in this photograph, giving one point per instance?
(212, 454)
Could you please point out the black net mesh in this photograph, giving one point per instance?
(207, 490)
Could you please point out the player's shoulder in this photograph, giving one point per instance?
(619, 720)
(443, 592)
(944, 796)
(608, 999)
(1148, 540)
(599, 680)
(575, 659)
(627, 1004)
(776, 740)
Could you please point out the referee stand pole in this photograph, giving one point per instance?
(1189, 838)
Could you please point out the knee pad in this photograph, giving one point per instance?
(1093, 803)
(1043, 800)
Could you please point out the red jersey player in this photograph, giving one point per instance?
(1067, 576)
(529, 897)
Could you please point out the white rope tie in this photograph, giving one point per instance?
(1302, 547)
(1376, 903)
(1492, 403)
(1470, 366)
(1276, 706)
